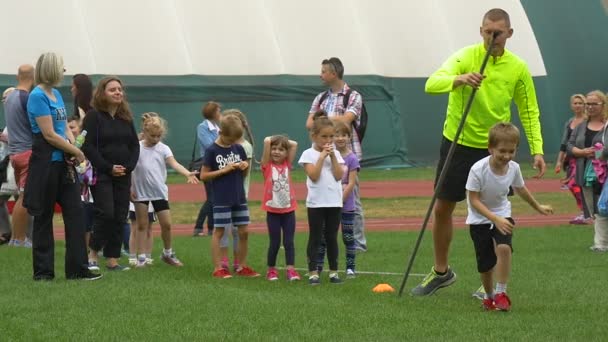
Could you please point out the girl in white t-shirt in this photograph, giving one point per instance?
(149, 184)
(145, 254)
(323, 167)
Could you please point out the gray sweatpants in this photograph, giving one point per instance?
(359, 222)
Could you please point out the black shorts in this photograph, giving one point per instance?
(464, 157)
(151, 216)
(158, 205)
(484, 236)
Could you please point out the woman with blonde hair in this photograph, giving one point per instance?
(596, 103)
(582, 147)
(51, 179)
(577, 105)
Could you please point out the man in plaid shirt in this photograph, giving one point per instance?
(332, 72)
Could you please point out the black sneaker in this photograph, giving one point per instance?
(334, 278)
(118, 267)
(91, 276)
(87, 275)
(433, 282)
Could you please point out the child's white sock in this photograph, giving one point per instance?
(501, 287)
(168, 252)
(141, 257)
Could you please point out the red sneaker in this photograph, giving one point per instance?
(488, 304)
(272, 274)
(246, 271)
(222, 273)
(502, 302)
(292, 275)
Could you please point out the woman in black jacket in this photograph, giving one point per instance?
(112, 148)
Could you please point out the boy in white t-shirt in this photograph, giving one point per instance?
(489, 211)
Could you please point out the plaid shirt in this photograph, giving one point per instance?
(334, 106)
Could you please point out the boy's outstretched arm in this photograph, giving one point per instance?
(525, 194)
(502, 224)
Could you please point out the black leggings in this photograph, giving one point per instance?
(323, 222)
(287, 224)
(111, 196)
(206, 211)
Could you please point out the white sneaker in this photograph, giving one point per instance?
(132, 261)
(350, 273)
(93, 265)
(480, 293)
(599, 249)
(141, 262)
(149, 261)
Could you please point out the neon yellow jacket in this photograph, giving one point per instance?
(507, 79)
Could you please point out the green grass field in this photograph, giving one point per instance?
(558, 292)
(557, 289)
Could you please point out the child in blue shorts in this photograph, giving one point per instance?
(225, 163)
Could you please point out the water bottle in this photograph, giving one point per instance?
(80, 139)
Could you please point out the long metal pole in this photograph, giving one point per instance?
(446, 165)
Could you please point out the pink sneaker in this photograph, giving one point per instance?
(272, 274)
(171, 260)
(292, 275)
(224, 264)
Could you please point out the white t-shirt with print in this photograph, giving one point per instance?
(327, 191)
(493, 189)
(150, 174)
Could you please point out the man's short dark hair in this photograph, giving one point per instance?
(336, 65)
(498, 14)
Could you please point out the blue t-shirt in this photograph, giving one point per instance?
(38, 105)
(227, 189)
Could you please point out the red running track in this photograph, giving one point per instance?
(372, 189)
(376, 189)
(387, 224)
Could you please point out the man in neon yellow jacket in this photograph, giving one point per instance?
(506, 79)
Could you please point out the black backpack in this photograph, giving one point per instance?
(362, 125)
